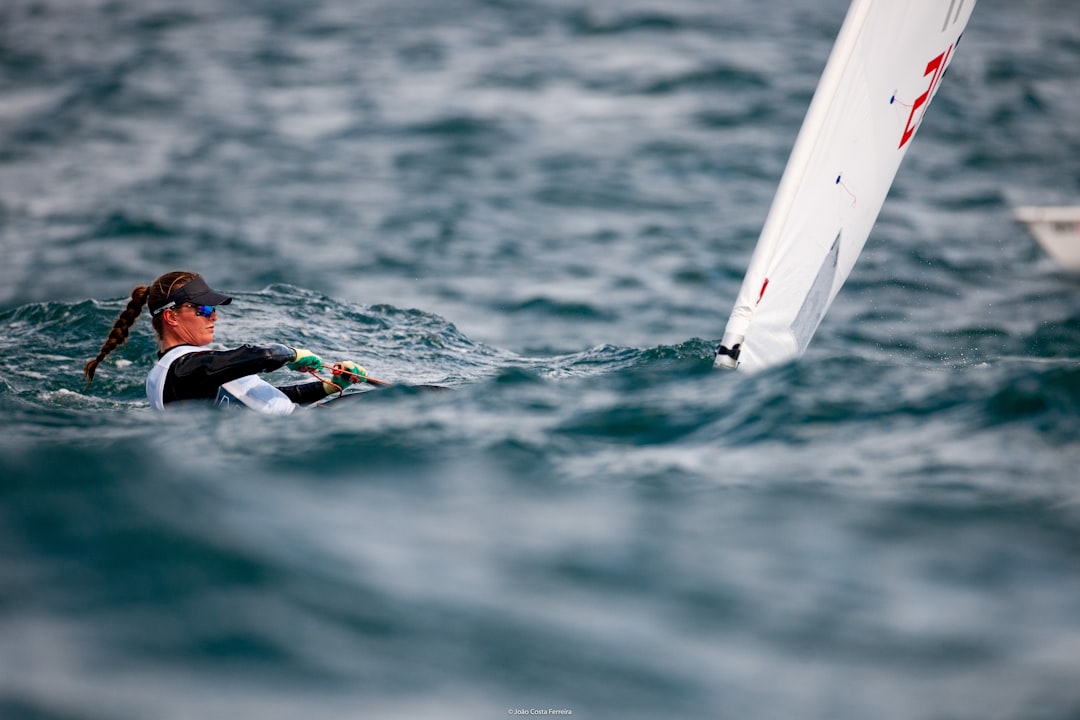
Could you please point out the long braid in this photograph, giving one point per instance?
(160, 288)
(120, 330)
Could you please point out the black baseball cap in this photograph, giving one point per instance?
(195, 291)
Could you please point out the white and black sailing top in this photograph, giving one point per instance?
(227, 377)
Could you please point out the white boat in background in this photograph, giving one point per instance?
(1057, 229)
(883, 72)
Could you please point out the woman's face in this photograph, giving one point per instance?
(194, 324)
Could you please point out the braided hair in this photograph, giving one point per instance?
(140, 296)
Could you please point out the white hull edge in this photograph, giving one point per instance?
(1057, 230)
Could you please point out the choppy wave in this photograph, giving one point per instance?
(546, 208)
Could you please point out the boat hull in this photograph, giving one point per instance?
(1057, 230)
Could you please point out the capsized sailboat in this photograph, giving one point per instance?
(884, 69)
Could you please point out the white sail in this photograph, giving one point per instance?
(882, 73)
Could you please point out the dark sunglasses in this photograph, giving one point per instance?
(202, 310)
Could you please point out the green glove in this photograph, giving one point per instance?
(348, 373)
(344, 373)
(305, 361)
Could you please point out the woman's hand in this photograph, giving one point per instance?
(348, 373)
(305, 361)
(345, 373)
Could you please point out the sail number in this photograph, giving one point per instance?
(934, 70)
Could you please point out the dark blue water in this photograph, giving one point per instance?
(548, 207)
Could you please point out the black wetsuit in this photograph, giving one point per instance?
(199, 375)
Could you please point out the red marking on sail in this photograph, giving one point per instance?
(934, 69)
(763, 286)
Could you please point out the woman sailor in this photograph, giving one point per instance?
(183, 312)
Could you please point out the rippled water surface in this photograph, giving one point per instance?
(547, 207)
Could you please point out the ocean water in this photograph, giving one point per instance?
(546, 206)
